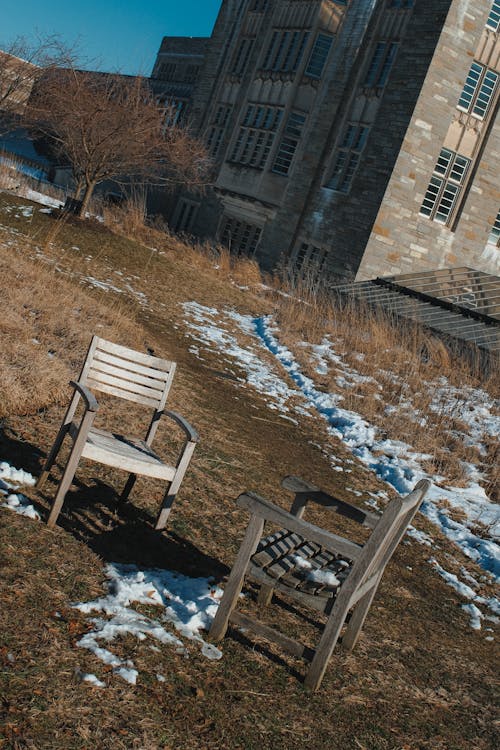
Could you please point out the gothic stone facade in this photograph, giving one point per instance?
(359, 137)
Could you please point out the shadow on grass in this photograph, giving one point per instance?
(91, 513)
(124, 533)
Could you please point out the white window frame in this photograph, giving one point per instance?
(479, 90)
(494, 235)
(493, 20)
(445, 187)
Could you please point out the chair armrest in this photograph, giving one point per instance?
(190, 432)
(89, 398)
(262, 508)
(301, 487)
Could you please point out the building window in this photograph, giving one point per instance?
(259, 6)
(241, 56)
(348, 156)
(184, 219)
(241, 238)
(191, 73)
(445, 186)
(289, 142)
(494, 235)
(381, 64)
(318, 57)
(479, 90)
(404, 4)
(493, 21)
(174, 110)
(216, 132)
(285, 50)
(168, 71)
(256, 135)
(309, 258)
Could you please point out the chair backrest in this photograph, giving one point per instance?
(126, 373)
(387, 534)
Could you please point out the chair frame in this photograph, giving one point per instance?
(356, 593)
(109, 382)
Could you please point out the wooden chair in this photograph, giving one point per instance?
(315, 567)
(130, 375)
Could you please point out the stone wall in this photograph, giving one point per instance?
(402, 240)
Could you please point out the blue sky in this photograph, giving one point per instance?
(114, 35)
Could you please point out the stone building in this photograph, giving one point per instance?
(358, 137)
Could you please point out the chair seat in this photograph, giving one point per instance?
(301, 565)
(125, 452)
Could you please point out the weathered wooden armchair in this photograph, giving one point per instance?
(315, 567)
(130, 375)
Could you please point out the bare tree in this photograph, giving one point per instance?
(110, 127)
(22, 64)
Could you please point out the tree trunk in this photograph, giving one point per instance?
(79, 188)
(89, 190)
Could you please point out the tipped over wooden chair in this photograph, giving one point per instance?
(315, 567)
(136, 377)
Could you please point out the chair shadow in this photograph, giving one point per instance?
(115, 532)
(19, 453)
(262, 647)
(124, 533)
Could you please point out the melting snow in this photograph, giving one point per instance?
(11, 479)
(189, 604)
(209, 329)
(392, 460)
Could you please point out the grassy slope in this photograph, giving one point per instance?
(419, 678)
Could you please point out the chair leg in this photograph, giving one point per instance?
(128, 488)
(358, 617)
(67, 478)
(326, 645)
(166, 507)
(56, 447)
(69, 471)
(171, 493)
(234, 584)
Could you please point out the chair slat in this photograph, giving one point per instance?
(129, 453)
(131, 355)
(133, 377)
(277, 549)
(121, 393)
(127, 364)
(125, 385)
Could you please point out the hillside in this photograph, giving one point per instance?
(273, 389)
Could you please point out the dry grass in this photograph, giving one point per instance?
(129, 220)
(45, 328)
(420, 678)
(402, 365)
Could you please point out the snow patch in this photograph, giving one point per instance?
(189, 604)
(11, 479)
